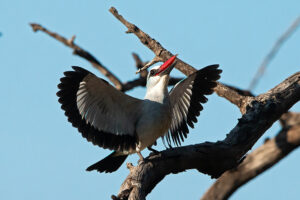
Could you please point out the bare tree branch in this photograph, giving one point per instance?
(210, 158)
(259, 160)
(139, 64)
(215, 158)
(270, 153)
(236, 96)
(273, 52)
(82, 53)
(160, 52)
(163, 54)
(141, 81)
(156, 59)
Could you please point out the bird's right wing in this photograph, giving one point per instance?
(186, 98)
(103, 114)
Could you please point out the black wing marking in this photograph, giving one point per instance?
(68, 97)
(186, 98)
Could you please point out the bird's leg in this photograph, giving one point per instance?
(141, 156)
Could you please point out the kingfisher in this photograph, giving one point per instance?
(126, 125)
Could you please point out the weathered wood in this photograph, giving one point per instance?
(259, 160)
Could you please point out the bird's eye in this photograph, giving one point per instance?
(152, 72)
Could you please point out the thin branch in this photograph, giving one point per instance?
(283, 38)
(82, 53)
(139, 64)
(156, 59)
(259, 160)
(142, 80)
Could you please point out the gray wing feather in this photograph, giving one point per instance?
(106, 108)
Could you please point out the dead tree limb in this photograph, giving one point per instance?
(215, 158)
(209, 158)
(82, 53)
(259, 160)
(272, 151)
(141, 81)
(163, 54)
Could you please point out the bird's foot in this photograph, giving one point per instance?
(142, 159)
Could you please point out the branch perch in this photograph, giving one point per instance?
(259, 160)
(215, 158)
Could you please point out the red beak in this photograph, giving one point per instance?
(167, 64)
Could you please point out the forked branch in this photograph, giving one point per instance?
(210, 158)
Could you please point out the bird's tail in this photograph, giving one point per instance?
(110, 163)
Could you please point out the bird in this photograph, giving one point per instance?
(126, 125)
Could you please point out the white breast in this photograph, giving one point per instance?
(154, 123)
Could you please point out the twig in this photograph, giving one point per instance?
(142, 80)
(139, 64)
(82, 53)
(273, 52)
(156, 59)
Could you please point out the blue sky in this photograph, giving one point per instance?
(44, 157)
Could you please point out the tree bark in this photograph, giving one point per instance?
(258, 161)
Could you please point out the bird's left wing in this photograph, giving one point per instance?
(104, 115)
(186, 98)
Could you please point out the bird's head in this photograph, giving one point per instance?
(158, 76)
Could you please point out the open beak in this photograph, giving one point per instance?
(167, 67)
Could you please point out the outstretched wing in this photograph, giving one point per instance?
(186, 98)
(104, 115)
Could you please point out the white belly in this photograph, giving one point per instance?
(153, 124)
